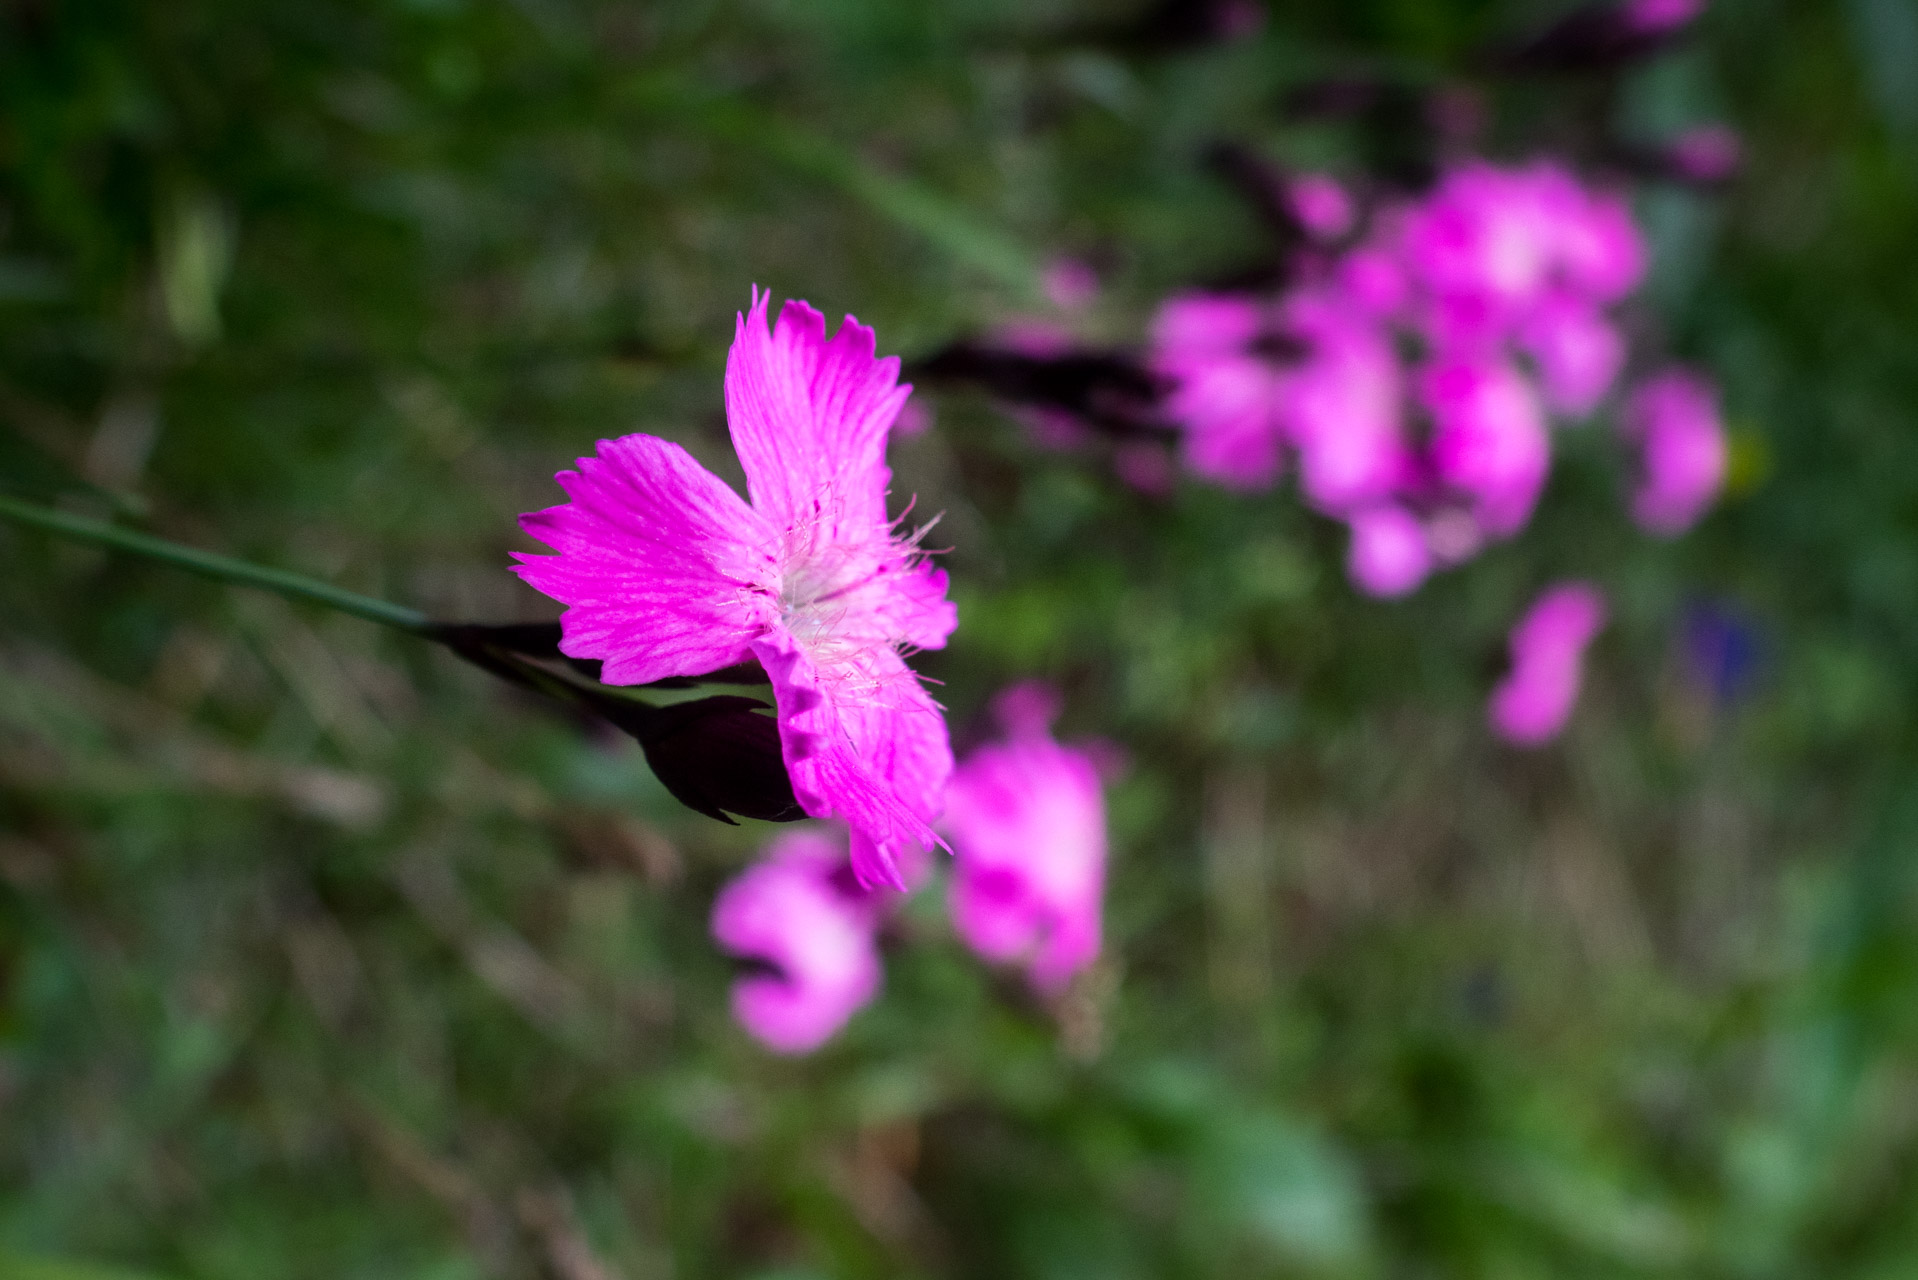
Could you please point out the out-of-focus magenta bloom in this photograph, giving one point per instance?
(1489, 243)
(1026, 816)
(1504, 280)
(1453, 536)
(1707, 153)
(1674, 419)
(1657, 17)
(1341, 405)
(1321, 205)
(1029, 337)
(1577, 350)
(1600, 252)
(914, 419)
(667, 572)
(1069, 284)
(809, 931)
(1530, 706)
(1145, 467)
(1388, 556)
(1225, 391)
(1483, 245)
(1374, 281)
(1488, 439)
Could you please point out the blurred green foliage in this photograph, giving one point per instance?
(322, 956)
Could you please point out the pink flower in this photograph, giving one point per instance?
(1706, 153)
(1388, 556)
(1027, 820)
(796, 915)
(1532, 703)
(1069, 284)
(1321, 205)
(1341, 406)
(1225, 393)
(914, 419)
(1146, 467)
(1658, 17)
(1600, 252)
(1372, 280)
(1483, 244)
(1579, 352)
(1674, 419)
(1044, 339)
(666, 572)
(1488, 243)
(1488, 439)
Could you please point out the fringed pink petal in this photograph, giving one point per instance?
(809, 416)
(863, 742)
(923, 616)
(662, 566)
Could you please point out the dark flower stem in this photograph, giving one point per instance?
(212, 565)
(714, 754)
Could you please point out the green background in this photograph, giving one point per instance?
(322, 955)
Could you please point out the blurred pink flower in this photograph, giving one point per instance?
(1069, 284)
(796, 914)
(1657, 17)
(1030, 337)
(1600, 251)
(1341, 405)
(1489, 243)
(1578, 352)
(1145, 467)
(914, 419)
(1706, 153)
(1321, 205)
(1530, 706)
(1482, 244)
(1026, 817)
(1372, 280)
(1453, 536)
(666, 572)
(1225, 392)
(1673, 418)
(1388, 555)
(1488, 439)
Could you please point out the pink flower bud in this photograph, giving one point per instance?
(1321, 205)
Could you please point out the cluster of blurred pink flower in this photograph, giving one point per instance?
(1025, 819)
(1417, 368)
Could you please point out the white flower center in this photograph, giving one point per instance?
(826, 600)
